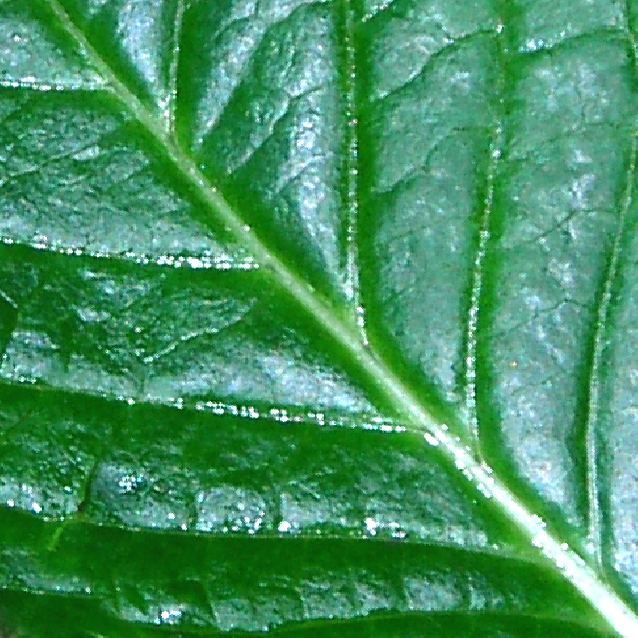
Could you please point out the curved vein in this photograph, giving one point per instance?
(477, 285)
(595, 522)
(596, 363)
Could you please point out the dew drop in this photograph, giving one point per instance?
(371, 526)
(430, 439)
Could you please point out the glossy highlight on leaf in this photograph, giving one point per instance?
(317, 318)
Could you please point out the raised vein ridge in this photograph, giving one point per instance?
(596, 362)
(600, 331)
(173, 70)
(351, 150)
(485, 219)
(567, 561)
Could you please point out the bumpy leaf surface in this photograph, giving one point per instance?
(313, 313)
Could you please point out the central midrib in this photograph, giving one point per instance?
(582, 576)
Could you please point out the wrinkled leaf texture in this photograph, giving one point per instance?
(312, 311)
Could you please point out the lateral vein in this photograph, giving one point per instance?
(600, 336)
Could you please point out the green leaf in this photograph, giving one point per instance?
(318, 318)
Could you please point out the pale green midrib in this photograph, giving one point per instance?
(584, 578)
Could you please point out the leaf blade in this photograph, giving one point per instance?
(397, 392)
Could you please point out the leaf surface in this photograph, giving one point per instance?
(317, 318)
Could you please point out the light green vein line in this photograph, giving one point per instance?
(476, 290)
(306, 626)
(351, 200)
(475, 295)
(173, 70)
(600, 336)
(583, 577)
